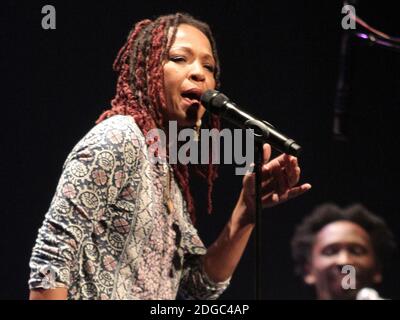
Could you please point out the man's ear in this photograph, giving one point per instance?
(308, 277)
(377, 277)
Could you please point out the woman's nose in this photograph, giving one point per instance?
(197, 72)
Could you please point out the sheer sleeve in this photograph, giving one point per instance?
(93, 174)
(195, 283)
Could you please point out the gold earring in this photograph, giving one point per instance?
(197, 130)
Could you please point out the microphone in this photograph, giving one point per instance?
(368, 294)
(219, 104)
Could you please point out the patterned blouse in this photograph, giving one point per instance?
(108, 233)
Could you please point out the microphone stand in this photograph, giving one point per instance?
(258, 163)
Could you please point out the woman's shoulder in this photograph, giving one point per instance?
(114, 130)
(118, 135)
(122, 124)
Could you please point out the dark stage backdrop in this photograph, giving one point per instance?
(279, 59)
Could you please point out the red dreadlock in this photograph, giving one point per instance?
(140, 88)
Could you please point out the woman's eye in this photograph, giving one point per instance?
(209, 67)
(177, 58)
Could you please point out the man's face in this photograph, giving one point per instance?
(338, 244)
(188, 72)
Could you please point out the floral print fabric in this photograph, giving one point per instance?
(108, 233)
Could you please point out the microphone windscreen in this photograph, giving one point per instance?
(368, 294)
(207, 96)
(214, 101)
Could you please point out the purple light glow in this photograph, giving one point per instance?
(362, 35)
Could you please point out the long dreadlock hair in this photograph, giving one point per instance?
(140, 87)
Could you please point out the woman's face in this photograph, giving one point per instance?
(188, 72)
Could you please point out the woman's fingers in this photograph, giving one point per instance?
(279, 176)
(266, 152)
(268, 186)
(280, 181)
(297, 191)
(293, 176)
(270, 199)
(273, 198)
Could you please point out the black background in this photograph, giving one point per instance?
(279, 59)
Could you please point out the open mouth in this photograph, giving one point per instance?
(192, 95)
